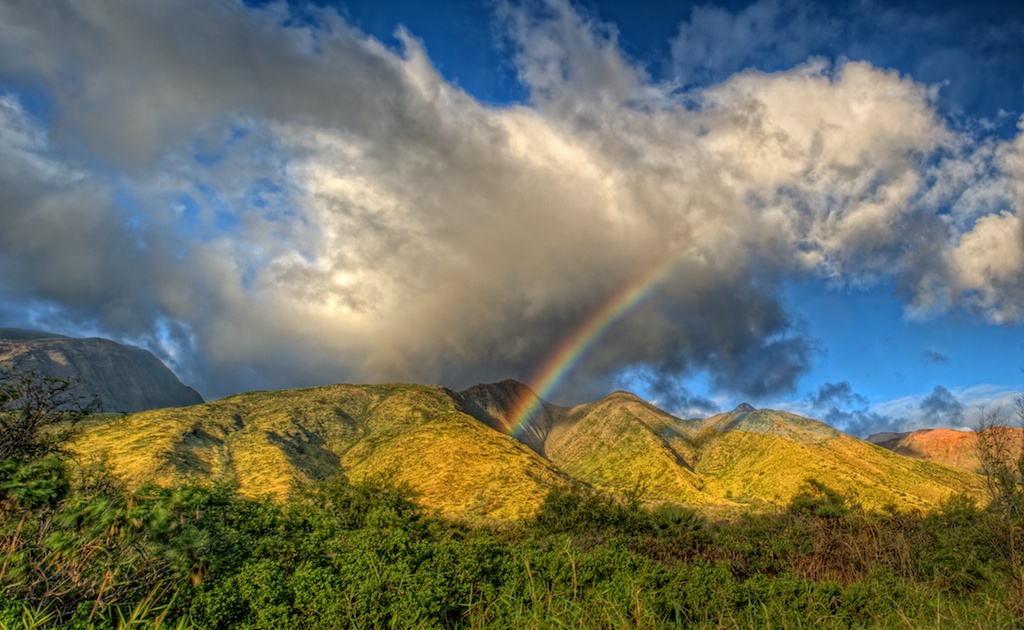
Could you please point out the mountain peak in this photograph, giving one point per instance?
(745, 408)
(620, 394)
(506, 388)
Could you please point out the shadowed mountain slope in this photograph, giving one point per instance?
(495, 404)
(124, 378)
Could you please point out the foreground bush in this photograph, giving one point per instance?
(362, 555)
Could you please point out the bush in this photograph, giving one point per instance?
(578, 509)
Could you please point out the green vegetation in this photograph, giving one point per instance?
(364, 555)
(81, 550)
(738, 461)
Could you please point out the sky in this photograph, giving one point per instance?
(810, 207)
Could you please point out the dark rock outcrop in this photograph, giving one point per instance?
(123, 378)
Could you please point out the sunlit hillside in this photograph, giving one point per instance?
(959, 449)
(746, 457)
(458, 450)
(269, 442)
(765, 455)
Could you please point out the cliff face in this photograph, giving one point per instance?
(124, 378)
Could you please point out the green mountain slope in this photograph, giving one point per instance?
(270, 441)
(456, 451)
(621, 443)
(765, 456)
(744, 457)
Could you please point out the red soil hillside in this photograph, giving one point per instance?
(947, 446)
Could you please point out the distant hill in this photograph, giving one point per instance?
(945, 446)
(458, 452)
(124, 378)
(766, 456)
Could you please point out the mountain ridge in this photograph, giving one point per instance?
(123, 378)
(462, 453)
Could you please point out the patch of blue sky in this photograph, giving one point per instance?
(884, 354)
(35, 101)
(52, 317)
(225, 221)
(448, 29)
(206, 218)
(188, 221)
(266, 193)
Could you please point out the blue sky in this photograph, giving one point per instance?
(273, 195)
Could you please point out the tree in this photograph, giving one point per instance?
(37, 416)
(1001, 454)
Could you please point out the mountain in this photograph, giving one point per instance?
(464, 455)
(622, 443)
(949, 446)
(744, 457)
(267, 442)
(765, 456)
(495, 404)
(124, 378)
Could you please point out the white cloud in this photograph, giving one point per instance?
(296, 204)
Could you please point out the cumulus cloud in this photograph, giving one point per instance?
(839, 405)
(668, 392)
(769, 34)
(969, 50)
(270, 201)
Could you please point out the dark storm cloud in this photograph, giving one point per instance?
(942, 408)
(268, 201)
(840, 394)
(843, 408)
(670, 394)
(863, 423)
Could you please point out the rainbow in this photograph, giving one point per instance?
(554, 370)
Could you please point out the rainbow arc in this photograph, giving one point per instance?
(568, 354)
